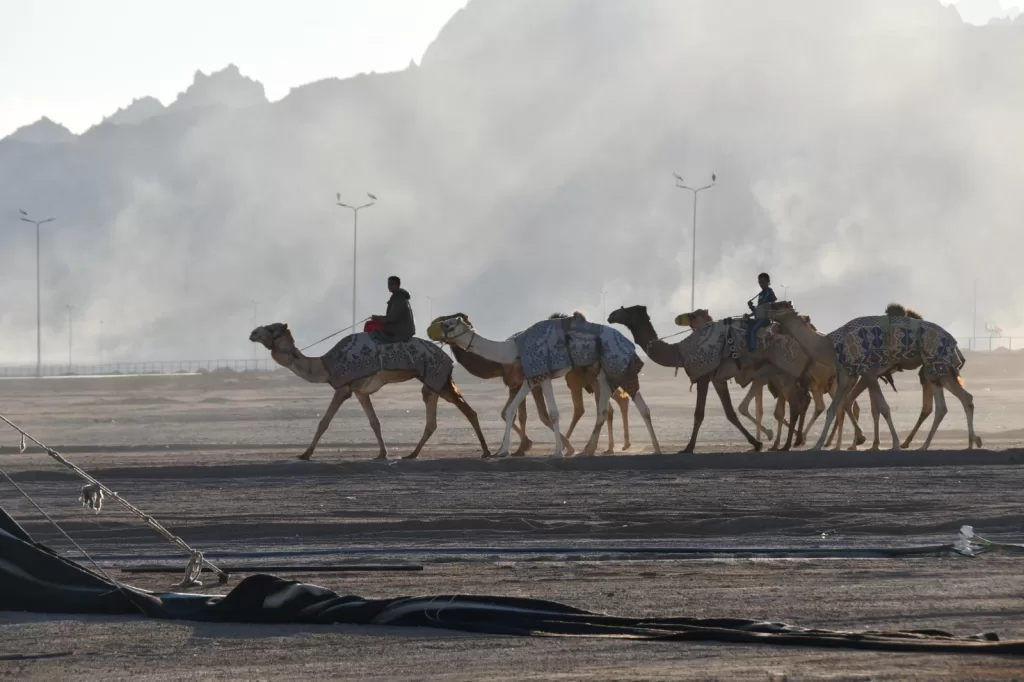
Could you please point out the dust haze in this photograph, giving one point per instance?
(866, 151)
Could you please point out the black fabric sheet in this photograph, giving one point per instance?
(34, 578)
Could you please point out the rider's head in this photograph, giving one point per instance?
(394, 283)
(764, 280)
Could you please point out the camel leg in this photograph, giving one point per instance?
(549, 398)
(819, 407)
(371, 416)
(452, 395)
(940, 413)
(875, 412)
(779, 414)
(843, 386)
(510, 414)
(878, 402)
(340, 396)
(926, 409)
(608, 420)
(698, 412)
(850, 408)
(722, 388)
(576, 391)
(796, 406)
(545, 419)
(604, 391)
(623, 400)
(756, 393)
(645, 414)
(967, 400)
(524, 442)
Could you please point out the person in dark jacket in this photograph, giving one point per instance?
(766, 297)
(399, 324)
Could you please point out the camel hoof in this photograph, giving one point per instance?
(525, 447)
(518, 453)
(382, 455)
(768, 433)
(414, 455)
(685, 451)
(905, 445)
(558, 455)
(500, 455)
(306, 456)
(610, 451)
(626, 446)
(774, 448)
(758, 446)
(860, 440)
(977, 441)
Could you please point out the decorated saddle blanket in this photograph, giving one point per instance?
(704, 350)
(358, 356)
(552, 346)
(879, 342)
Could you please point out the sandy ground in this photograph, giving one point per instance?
(213, 458)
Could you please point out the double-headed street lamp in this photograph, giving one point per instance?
(39, 315)
(355, 237)
(693, 260)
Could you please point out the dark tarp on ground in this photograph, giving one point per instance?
(34, 578)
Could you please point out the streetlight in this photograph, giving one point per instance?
(39, 314)
(785, 292)
(355, 236)
(693, 262)
(70, 309)
(101, 346)
(604, 304)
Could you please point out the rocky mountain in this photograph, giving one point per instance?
(866, 151)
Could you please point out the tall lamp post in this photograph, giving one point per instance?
(355, 237)
(680, 184)
(39, 315)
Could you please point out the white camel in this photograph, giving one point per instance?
(454, 330)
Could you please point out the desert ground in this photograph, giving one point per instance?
(213, 457)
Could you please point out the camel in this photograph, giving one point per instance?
(456, 331)
(773, 378)
(578, 380)
(277, 338)
(712, 355)
(846, 354)
(909, 364)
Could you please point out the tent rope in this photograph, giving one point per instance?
(92, 497)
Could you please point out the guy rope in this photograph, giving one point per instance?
(92, 497)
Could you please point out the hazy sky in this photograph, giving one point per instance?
(77, 61)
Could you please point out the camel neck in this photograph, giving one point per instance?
(476, 365)
(306, 368)
(504, 352)
(660, 352)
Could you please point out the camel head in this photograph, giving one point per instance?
(694, 319)
(632, 315)
(447, 327)
(897, 310)
(272, 335)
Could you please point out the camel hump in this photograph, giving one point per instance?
(900, 310)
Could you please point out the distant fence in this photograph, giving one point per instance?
(158, 367)
(987, 343)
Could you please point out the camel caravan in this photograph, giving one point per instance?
(773, 347)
